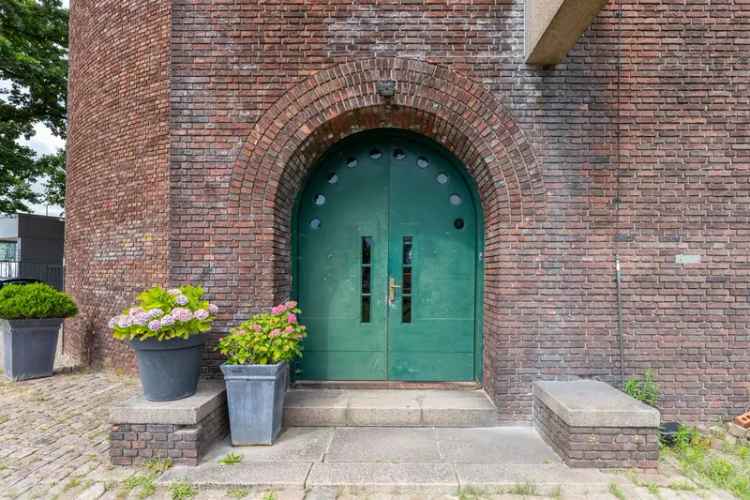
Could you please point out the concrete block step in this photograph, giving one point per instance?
(388, 408)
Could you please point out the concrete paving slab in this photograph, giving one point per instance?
(510, 474)
(383, 474)
(257, 474)
(591, 403)
(188, 411)
(296, 444)
(500, 445)
(315, 408)
(377, 444)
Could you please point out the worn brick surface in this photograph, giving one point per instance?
(195, 122)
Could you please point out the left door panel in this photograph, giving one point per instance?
(342, 252)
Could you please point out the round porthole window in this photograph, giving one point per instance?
(375, 153)
(455, 199)
(399, 154)
(423, 162)
(315, 224)
(319, 199)
(351, 162)
(333, 178)
(442, 178)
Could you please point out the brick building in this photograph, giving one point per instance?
(335, 151)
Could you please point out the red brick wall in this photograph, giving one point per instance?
(117, 193)
(257, 90)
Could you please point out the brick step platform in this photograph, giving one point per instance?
(182, 430)
(388, 408)
(592, 424)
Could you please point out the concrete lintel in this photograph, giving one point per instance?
(590, 403)
(188, 411)
(554, 26)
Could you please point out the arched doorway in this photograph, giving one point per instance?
(388, 239)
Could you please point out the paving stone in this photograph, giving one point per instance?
(298, 444)
(379, 475)
(257, 474)
(394, 445)
(511, 445)
(511, 474)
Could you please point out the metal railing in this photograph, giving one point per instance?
(51, 274)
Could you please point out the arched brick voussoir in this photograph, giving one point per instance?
(460, 110)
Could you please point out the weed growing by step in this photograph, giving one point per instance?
(158, 466)
(269, 495)
(238, 492)
(181, 491)
(144, 483)
(527, 489)
(616, 491)
(644, 389)
(231, 458)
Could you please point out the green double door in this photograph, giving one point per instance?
(387, 263)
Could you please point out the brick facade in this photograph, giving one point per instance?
(598, 447)
(194, 124)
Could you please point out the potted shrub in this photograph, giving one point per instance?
(166, 330)
(256, 372)
(32, 315)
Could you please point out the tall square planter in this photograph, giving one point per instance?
(255, 396)
(29, 347)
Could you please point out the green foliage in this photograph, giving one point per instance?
(616, 491)
(238, 492)
(144, 482)
(35, 301)
(33, 59)
(526, 489)
(165, 314)
(181, 491)
(158, 465)
(267, 338)
(645, 390)
(231, 458)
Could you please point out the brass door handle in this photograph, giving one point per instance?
(392, 290)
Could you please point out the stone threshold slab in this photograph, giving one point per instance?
(389, 408)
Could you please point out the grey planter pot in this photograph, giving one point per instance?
(255, 394)
(169, 370)
(29, 347)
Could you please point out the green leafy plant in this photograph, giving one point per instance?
(158, 465)
(35, 301)
(231, 458)
(616, 491)
(177, 313)
(645, 389)
(180, 491)
(266, 338)
(238, 492)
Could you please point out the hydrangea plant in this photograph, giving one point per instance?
(265, 339)
(177, 313)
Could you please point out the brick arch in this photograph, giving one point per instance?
(294, 133)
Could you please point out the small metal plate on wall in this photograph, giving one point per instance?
(386, 88)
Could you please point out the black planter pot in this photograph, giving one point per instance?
(29, 347)
(169, 369)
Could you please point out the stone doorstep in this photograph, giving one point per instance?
(188, 411)
(388, 408)
(591, 403)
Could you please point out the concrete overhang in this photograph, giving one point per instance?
(554, 26)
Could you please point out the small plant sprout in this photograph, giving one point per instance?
(231, 458)
(182, 491)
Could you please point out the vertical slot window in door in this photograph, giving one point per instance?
(366, 285)
(406, 280)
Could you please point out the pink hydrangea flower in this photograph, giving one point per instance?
(174, 291)
(153, 313)
(213, 308)
(182, 314)
(167, 320)
(275, 333)
(140, 319)
(277, 309)
(201, 314)
(123, 321)
(257, 327)
(154, 325)
(291, 304)
(181, 299)
(289, 329)
(292, 318)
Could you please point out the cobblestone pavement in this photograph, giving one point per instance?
(53, 445)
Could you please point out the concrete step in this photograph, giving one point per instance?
(388, 408)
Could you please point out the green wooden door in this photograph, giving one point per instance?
(387, 259)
